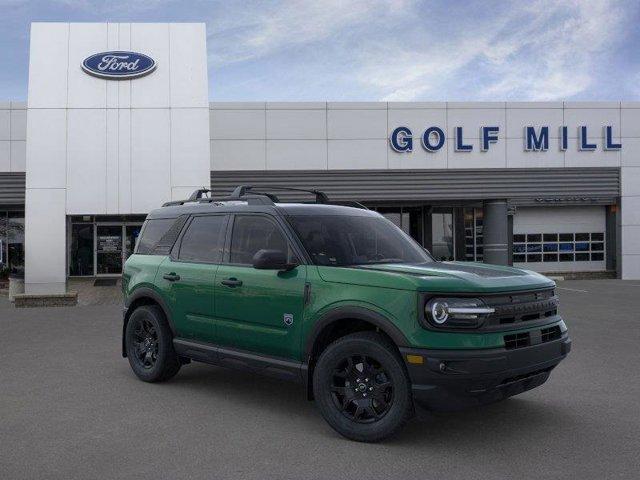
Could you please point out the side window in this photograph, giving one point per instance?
(151, 234)
(252, 233)
(204, 239)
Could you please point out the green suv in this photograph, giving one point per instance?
(339, 299)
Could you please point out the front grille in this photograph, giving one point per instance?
(549, 334)
(517, 340)
(512, 309)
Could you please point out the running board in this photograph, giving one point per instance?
(241, 360)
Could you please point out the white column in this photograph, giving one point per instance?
(630, 199)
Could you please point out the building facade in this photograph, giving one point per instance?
(549, 186)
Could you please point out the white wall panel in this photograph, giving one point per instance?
(47, 148)
(152, 91)
(86, 161)
(111, 162)
(472, 119)
(296, 154)
(630, 211)
(517, 157)
(188, 56)
(357, 124)
(630, 181)
(5, 156)
(630, 153)
(124, 161)
(48, 62)
(86, 91)
(190, 155)
(418, 158)
(124, 86)
(18, 124)
(238, 124)
(592, 118)
(357, 154)
(418, 120)
(45, 240)
(238, 155)
(598, 158)
(150, 159)
(113, 43)
(495, 157)
(630, 120)
(518, 118)
(296, 124)
(631, 239)
(5, 124)
(18, 156)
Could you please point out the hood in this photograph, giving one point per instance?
(460, 277)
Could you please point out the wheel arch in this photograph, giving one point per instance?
(342, 321)
(144, 296)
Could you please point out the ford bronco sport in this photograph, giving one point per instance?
(339, 299)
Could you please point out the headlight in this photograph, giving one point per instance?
(456, 312)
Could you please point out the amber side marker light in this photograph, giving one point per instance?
(417, 359)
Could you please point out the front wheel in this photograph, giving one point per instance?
(149, 345)
(361, 387)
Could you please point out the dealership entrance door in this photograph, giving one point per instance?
(99, 246)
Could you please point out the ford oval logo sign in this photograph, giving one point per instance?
(118, 65)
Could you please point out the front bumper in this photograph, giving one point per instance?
(456, 379)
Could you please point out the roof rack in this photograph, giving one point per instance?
(242, 190)
(252, 196)
(196, 196)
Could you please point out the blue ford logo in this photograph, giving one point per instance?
(118, 65)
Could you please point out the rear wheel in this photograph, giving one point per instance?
(149, 345)
(362, 388)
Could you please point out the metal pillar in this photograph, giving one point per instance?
(496, 238)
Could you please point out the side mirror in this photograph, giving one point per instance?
(272, 260)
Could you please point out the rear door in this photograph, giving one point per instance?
(259, 310)
(188, 276)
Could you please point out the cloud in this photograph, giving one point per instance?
(263, 28)
(408, 50)
(546, 50)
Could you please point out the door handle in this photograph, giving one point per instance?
(172, 277)
(231, 282)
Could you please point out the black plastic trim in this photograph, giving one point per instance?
(242, 360)
(146, 292)
(357, 313)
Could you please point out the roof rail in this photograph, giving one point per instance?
(196, 196)
(242, 190)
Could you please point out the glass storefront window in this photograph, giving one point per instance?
(442, 231)
(11, 242)
(81, 252)
(473, 239)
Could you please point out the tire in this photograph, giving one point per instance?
(149, 345)
(367, 398)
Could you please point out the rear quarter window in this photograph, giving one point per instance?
(158, 235)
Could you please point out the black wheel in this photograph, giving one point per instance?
(149, 345)
(362, 388)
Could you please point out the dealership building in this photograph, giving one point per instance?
(118, 121)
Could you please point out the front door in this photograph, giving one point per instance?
(259, 310)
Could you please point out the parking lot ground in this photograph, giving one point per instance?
(70, 408)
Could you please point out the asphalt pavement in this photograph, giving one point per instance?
(70, 408)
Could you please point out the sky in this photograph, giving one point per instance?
(377, 50)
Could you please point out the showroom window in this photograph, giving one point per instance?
(558, 247)
(473, 239)
(11, 242)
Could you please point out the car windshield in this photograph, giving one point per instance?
(342, 240)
